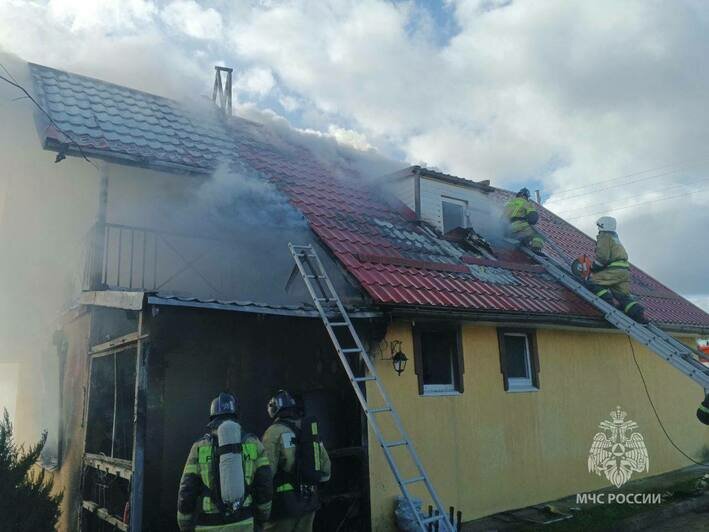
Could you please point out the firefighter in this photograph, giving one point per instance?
(200, 505)
(521, 214)
(610, 271)
(300, 463)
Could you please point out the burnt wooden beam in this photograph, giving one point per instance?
(139, 423)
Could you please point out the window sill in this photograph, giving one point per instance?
(440, 394)
(523, 388)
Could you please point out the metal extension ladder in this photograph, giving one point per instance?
(328, 304)
(670, 349)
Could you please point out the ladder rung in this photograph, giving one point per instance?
(301, 246)
(315, 276)
(362, 379)
(337, 323)
(397, 443)
(325, 299)
(432, 519)
(351, 350)
(413, 480)
(379, 410)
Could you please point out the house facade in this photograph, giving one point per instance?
(185, 290)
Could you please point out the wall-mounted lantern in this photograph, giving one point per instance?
(398, 358)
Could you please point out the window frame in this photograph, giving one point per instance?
(516, 384)
(457, 362)
(454, 201)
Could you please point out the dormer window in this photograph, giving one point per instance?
(453, 213)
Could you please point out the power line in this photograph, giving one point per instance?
(15, 84)
(657, 416)
(637, 204)
(601, 204)
(564, 198)
(566, 190)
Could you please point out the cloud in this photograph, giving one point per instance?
(258, 81)
(107, 15)
(190, 18)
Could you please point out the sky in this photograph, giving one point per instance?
(603, 106)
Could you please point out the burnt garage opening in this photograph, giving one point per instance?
(197, 353)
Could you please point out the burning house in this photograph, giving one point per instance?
(185, 290)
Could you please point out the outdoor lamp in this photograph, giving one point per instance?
(398, 358)
(399, 362)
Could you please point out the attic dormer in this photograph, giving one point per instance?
(445, 201)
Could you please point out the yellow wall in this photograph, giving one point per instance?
(488, 450)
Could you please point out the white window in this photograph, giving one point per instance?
(453, 213)
(518, 361)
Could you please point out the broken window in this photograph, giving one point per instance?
(453, 213)
(109, 428)
(438, 359)
(519, 362)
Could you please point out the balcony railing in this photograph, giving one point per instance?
(121, 257)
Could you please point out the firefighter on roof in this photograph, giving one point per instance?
(226, 485)
(521, 214)
(610, 271)
(300, 464)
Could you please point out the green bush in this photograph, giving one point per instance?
(26, 500)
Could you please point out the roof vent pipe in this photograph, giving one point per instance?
(222, 89)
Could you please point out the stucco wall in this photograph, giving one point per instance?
(45, 210)
(488, 450)
(68, 478)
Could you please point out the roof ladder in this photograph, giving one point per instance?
(665, 346)
(322, 290)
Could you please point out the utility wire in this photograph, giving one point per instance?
(556, 198)
(601, 204)
(586, 215)
(15, 84)
(657, 416)
(595, 183)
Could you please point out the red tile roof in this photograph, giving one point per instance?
(396, 261)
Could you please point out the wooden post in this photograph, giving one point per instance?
(139, 417)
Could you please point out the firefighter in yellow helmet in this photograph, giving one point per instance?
(522, 215)
(300, 464)
(226, 484)
(610, 271)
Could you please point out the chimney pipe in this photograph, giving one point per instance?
(222, 89)
(539, 196)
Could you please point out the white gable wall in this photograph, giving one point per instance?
(480, 212)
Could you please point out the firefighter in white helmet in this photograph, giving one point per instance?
(610, 271)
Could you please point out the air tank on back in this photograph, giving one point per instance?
(231, 469)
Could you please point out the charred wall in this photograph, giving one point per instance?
(195, 354)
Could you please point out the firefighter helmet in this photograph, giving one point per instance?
(523, 192)
(606, 223)
(224, 404)
(279, 402)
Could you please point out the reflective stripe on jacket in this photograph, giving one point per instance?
(199, 482)
(279, 442)
(610, 253)
(516, 211)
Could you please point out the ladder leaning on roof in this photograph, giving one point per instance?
(328, 303)
(670, 349)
